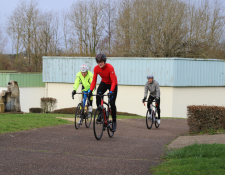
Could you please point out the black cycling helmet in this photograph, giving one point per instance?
(100, 56)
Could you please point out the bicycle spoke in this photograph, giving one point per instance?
(78, 116)
(156, 121)
(149, 120)
(98, 125)
(109, 128)
(88, 120)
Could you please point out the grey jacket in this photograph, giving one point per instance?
(153, 88)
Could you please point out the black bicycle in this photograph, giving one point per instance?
(105, 119)
(151, 116)
(82, 113)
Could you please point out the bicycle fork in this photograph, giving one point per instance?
(152, 113)
(104, 112)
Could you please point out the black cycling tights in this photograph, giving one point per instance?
(150, 99)
(103, 87)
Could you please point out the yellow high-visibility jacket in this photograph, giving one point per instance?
(85, 81)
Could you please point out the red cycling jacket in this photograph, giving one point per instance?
(108, 76)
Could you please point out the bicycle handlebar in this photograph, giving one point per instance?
(148, 101)
(100, 95)
(104, 96)
(82, 93)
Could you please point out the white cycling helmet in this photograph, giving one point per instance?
(150, 76)
(84, 68)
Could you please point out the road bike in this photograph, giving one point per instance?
(105, 118)
(153, 117)
(82, 113)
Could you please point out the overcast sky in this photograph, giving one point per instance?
(7, 6)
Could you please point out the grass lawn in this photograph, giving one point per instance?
(118, 116)
(193, 160)
(128, 117)
(19, 122)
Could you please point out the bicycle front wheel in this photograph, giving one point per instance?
(98, 124)
(110, 125)
(78, 116)
(88, 119)
(149, 120)
(156, 120)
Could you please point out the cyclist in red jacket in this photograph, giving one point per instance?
(109, 81)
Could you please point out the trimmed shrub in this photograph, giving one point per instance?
(204, 118)
(48, 104)
(73, 110)
(35, 110)
(65, 111)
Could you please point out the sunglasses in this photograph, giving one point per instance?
(100, 61)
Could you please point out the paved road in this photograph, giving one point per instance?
(64, 150)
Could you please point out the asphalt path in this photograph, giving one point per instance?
(64, 150)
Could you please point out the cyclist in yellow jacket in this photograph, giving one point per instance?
(85, 78)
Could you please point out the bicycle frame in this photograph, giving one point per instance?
(99, 117)
(151, 115)
(88, 101)
(104, 112)
(152, 106)
(107, 104)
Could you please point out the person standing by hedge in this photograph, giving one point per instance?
(85, 78)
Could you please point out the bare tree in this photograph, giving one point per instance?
(123, 28)
(87, 24)
(206, 24)
(30, 23)
(110, 9)
(56, 35)
(23, 26)
(65, 27)
(45, 33)
(140, 28)
(3, 42)
(169, 31)
(14, 29)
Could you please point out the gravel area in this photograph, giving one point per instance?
(183, 141)
(63, 150)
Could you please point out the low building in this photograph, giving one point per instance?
(182, 82)
(31, 87)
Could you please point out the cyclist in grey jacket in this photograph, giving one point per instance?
(152, 86)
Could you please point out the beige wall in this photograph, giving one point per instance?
(174, 101)
(29, 97)
(129, 98)
(183, 97)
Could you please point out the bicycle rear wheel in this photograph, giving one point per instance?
(149, 120)
(98, 126)
(78, 116)
(156, 119)
(110, 125)
(88, 119)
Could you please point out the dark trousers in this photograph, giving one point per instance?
(150, 99)
(103, 87)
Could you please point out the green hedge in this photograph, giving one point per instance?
(72, 111)
(204, 118)
(35, 110)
